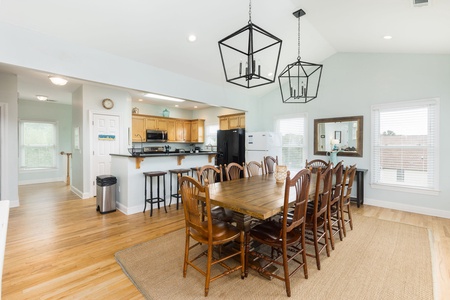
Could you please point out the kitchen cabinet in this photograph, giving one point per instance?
(171, 136)
(232, 121)
(183, 130)
(138, 129)
(156, 123)
(198, 131)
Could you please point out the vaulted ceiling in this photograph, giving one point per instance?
(156, 32)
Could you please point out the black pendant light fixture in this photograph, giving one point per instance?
(250, 55)
(299, 81)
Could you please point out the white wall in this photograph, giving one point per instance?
(350, 84)
(9, 173)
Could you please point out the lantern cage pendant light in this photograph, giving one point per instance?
(299, 81)
(250, 55)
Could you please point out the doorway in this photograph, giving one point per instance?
(105, 140)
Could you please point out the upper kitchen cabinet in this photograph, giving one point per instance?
(198, 131)
(183, 130)
(232, 121)
(138, 128)
(156, 123)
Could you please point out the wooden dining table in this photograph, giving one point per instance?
(259, 197)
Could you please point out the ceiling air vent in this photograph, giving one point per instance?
(420, 2)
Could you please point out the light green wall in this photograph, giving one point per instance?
(52, 112)
(350, 84)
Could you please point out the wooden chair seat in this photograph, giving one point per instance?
(269, 233)
(222, 232)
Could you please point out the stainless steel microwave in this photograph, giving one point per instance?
(155, 136)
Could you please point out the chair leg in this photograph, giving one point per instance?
(316, 247)
(305, 266)
(350, 216)
(330, 229)
(327, 245)
(287, 281)
(186, 254)
(208, 270)
(243, 254)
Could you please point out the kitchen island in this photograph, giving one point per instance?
(129, 169)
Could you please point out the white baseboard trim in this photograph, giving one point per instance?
(14, 203)
(409, 208)
(46, 180)
(79, 193)
(138, 208)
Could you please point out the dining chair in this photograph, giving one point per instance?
(316, 218)
(255, 168)
(207, 234)
(316, 164)
(269, 164)
(286, 238)
(234, 171)
(334, 205)
(209, 174)
(349, 176)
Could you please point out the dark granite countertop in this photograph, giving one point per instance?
(163, 154)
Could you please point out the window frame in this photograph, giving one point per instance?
(22, 147)
(303, 116)
(433, 149)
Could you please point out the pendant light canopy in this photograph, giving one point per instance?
(299, 81)
(250, 55)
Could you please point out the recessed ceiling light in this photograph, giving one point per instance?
(192, 38)
(57, 80)
(140, 100)
(161, 97)
(195, 106)
(176, 105)
(387, 37)
(41, 97)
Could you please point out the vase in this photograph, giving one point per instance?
(280, 173)
(166, 113)
(333, 157)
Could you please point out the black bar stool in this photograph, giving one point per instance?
(194, 172)
(176, 172)
(149, 198)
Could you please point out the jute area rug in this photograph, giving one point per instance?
(377, 260)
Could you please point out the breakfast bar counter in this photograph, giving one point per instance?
(129, 171)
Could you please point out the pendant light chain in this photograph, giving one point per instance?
(298, 57)
(249, 11)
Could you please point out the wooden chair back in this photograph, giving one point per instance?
(189, 191)
(255, 168)
(315, 164)
(323, 192)
(210, 172)
(234, 171)
(300, 184)
(269, 164)
(349, 177)
(337, 174)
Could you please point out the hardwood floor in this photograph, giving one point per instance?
(59, 246)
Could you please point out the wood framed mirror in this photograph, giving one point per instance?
(348, 131)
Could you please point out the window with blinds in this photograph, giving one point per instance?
(405, 144)
(37, 147)
(293, 137)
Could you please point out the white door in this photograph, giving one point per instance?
(106, 140)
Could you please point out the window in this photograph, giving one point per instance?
(211, 135)
(405, 145)
(293, 136)
(37, 145)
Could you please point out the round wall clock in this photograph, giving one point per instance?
(108, 103)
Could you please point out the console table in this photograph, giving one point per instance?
(359, 177)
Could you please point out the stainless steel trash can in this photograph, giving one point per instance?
(106, 193)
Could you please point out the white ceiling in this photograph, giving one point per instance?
(155, 32)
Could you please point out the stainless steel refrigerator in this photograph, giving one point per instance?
(230, 146)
